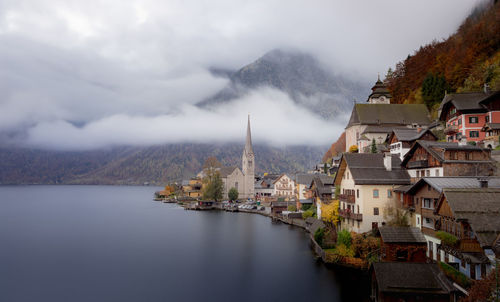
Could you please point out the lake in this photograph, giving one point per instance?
(114, 243)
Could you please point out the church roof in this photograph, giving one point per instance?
(225, 171)
(379, 89)
(248, 143)
(389, 114)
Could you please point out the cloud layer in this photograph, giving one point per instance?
(85, 74)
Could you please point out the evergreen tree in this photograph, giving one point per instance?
(374, 147)
(233, 194)
(434, 87)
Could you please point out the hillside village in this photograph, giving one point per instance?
(426, 192)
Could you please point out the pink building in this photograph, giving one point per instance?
(467, 114)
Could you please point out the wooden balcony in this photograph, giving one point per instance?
(347, 198)
(350, 215)
(418, 164)
(451, 129)
(470, 246)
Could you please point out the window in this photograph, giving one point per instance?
(487, 119)
(358, 224)
(427, 203)
(375, 211)
(358, 209)
(418, 173)
(453, 111)
(453, 155)
(357, 193)
(458, 136)
(431, 253)
(236, 185)
(389, 193)
(402, 255)
(347, 175)
(474, 134)
(427, 173)
(473, 119)
(437, 172)
(459, 121)
(468, 156)
(375, 193)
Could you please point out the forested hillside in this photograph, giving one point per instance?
(137, 165)
(464, 62)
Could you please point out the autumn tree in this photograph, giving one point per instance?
(213, 188)
(353, 149)
(330, 212)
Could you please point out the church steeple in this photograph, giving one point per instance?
(248, 144)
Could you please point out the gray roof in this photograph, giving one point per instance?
(377, 129)
(368, 168)
(468, 101)
(458, 182)
(389, 114)
(480, 208)
(410, 134)
(411, 277)
(324, 184)
(225, 171)
(491, 126)
(435, 149)
(401, 235)
(304, 179)
(379, 89)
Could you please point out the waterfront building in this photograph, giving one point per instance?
(470, 217)
(366, 182)
(302, 183)
(430, 158)
(381, 117)
(466, 114)
(322, 190)
(421, 200)
(410, 281)
(284, 186)
(404, 244)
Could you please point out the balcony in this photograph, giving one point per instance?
(451, 129)
(418, 164)
(347, 198)
(351, 215)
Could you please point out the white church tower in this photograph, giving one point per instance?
(248, 164)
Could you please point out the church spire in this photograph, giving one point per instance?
(248, 144)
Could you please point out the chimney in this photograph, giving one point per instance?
(419, 129)
(486, 88)
(388, 161)
(483, 182)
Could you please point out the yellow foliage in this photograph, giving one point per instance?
(353, 149)
(330, 212)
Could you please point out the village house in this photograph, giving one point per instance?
(302, 183)
(470, 217)
(492, 135)
(465, 114)
(381, 116)
(405, 244)
(366, 182)
(192, 187)
(410, 281)
(264, 186)
(430, 158)
(422, 198)
(284, 186)
(322, 191)
(400, 140)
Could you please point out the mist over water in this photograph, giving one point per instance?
(110, 243)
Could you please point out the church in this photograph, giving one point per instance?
(242, 180)
(379, 117)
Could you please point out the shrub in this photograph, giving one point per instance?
(447, 238)
(319, 235)
(353, 149)
(455, 275)
(344, 237)
(305, 206)
(233, 194)
(344, 251)
(292, 208)
(307, 214)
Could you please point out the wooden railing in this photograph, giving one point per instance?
(451, 129)
(418, 164)
(351, 215)
(347, 198)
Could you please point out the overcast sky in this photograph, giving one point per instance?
(86, 74)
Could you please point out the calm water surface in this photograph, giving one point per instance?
(108, 243)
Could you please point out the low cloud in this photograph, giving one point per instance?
(275, 120)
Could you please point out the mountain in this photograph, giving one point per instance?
(137, 165)
(299, 75)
